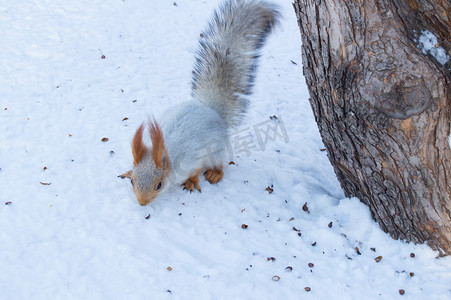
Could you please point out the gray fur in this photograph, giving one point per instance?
(147, 171)
(227, 58)
(195, 139)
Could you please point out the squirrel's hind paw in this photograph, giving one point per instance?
(214, 175)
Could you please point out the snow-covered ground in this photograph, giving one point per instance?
(70, 229)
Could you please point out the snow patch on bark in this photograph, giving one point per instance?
(428, 44)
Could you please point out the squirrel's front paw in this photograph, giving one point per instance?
(192, 183)
(214, 175)
(126, 175)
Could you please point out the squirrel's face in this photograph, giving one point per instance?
(150, 166)
(148, 180)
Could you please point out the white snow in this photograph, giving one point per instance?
(85, 237)
(429, 45)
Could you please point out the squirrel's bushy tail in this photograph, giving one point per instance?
(227, 58)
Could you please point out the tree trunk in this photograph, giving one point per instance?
(383, 108)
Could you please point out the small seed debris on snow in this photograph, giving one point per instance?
(271, 259)
(307, 289)
(269, 189)
(8, 203)
(314, 244)
(275, 278)
(45, 183)
(305, 207)
(293, 62)
(295, 229)
(125, 119)
(411, 274)
(358, 251)
(289, 269)
(231, 163)
(412, 255)
(244, 226)
(105, 139)
(329, 225)
(378, 259)
(169, 269)
(402, 292)
(147, 217)
(103, 56)
(311, 265)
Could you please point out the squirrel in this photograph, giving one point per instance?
(191, 137)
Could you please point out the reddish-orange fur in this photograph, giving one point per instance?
(192, 182)
(138, 147)
(214, 175)
(158, 147)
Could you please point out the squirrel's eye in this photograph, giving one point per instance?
(131, 181)
(159, 186)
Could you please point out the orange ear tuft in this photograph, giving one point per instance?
(158, 148)
(138, 147)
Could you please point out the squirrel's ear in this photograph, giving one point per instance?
(138, 147)
(159, 151)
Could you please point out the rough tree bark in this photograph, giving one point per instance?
(383, 108)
